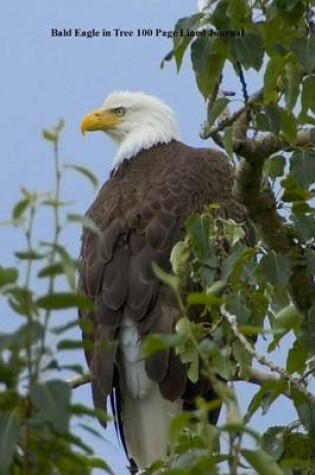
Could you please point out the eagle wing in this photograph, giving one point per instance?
(140, 211)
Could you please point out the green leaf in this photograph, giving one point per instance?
(297, 356)
(73, 345)
(239, 12)
(274, 166)
(218, 107)
(179, 258)
(293, 74)
(20, 208)
(302, 167)
(305, 408)
(178, 424)
(276, 33)
(21, 300)
(63, 300)
(304, 49)
(265, 397)
(290, 10)
(277, 268)
(273, 71)
(237, 305)
(193, 372)
(68, 264)
(50, 136)
(53, 203)
(181, 42)
(85, 221)
(29, 255)
(85, 172)
(293, 191)
(299, 452)
(301, 207)
(202, 298)
(52, 400)
(305, 225)
(9, 434)
(228, 141)
(288, 318)
(273, 441)
(168, 57)
(60, 125)
(288, 125)
(28, 334)
(198, 229)
(262, 462)
(243, 358)
(8, 275)
(219, 17)
(168, 279)
(248, 50)
(65, 327)
(51, 270)
(207, 64)
(307, 333)
(183, 326)
(270, 119)
(308, 94)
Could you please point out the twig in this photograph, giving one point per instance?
(78, 381)
(243, 82)
(209, 132)
(256, 377)
(260, 378)
(231, 319)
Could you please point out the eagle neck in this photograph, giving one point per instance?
(143, 139)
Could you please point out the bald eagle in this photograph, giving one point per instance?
(156, 183)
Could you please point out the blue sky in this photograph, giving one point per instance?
(45, 78)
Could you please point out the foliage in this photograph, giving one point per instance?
(250, 292)
(36, 412)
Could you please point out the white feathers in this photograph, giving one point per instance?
(146, 425)
(146, 414)
(135, 378)
(147, 122)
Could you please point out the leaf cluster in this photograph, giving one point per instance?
(37, 414)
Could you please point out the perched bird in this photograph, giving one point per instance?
(156, 183)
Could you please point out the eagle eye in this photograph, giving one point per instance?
(120, 111)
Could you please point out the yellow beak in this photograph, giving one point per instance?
(99, 119)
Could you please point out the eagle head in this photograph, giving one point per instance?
(134, 120)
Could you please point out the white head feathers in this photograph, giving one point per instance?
(147, 122)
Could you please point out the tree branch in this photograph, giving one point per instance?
(257, 377)
(269, 144)
(78, 381)
(262, 209)
(229, 120)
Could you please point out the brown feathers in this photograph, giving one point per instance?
(140, 211)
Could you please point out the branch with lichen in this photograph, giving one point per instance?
(78, 381)
(263, 147)
(258, 199)
(262, 209)
(257, 377)
(231, 118)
